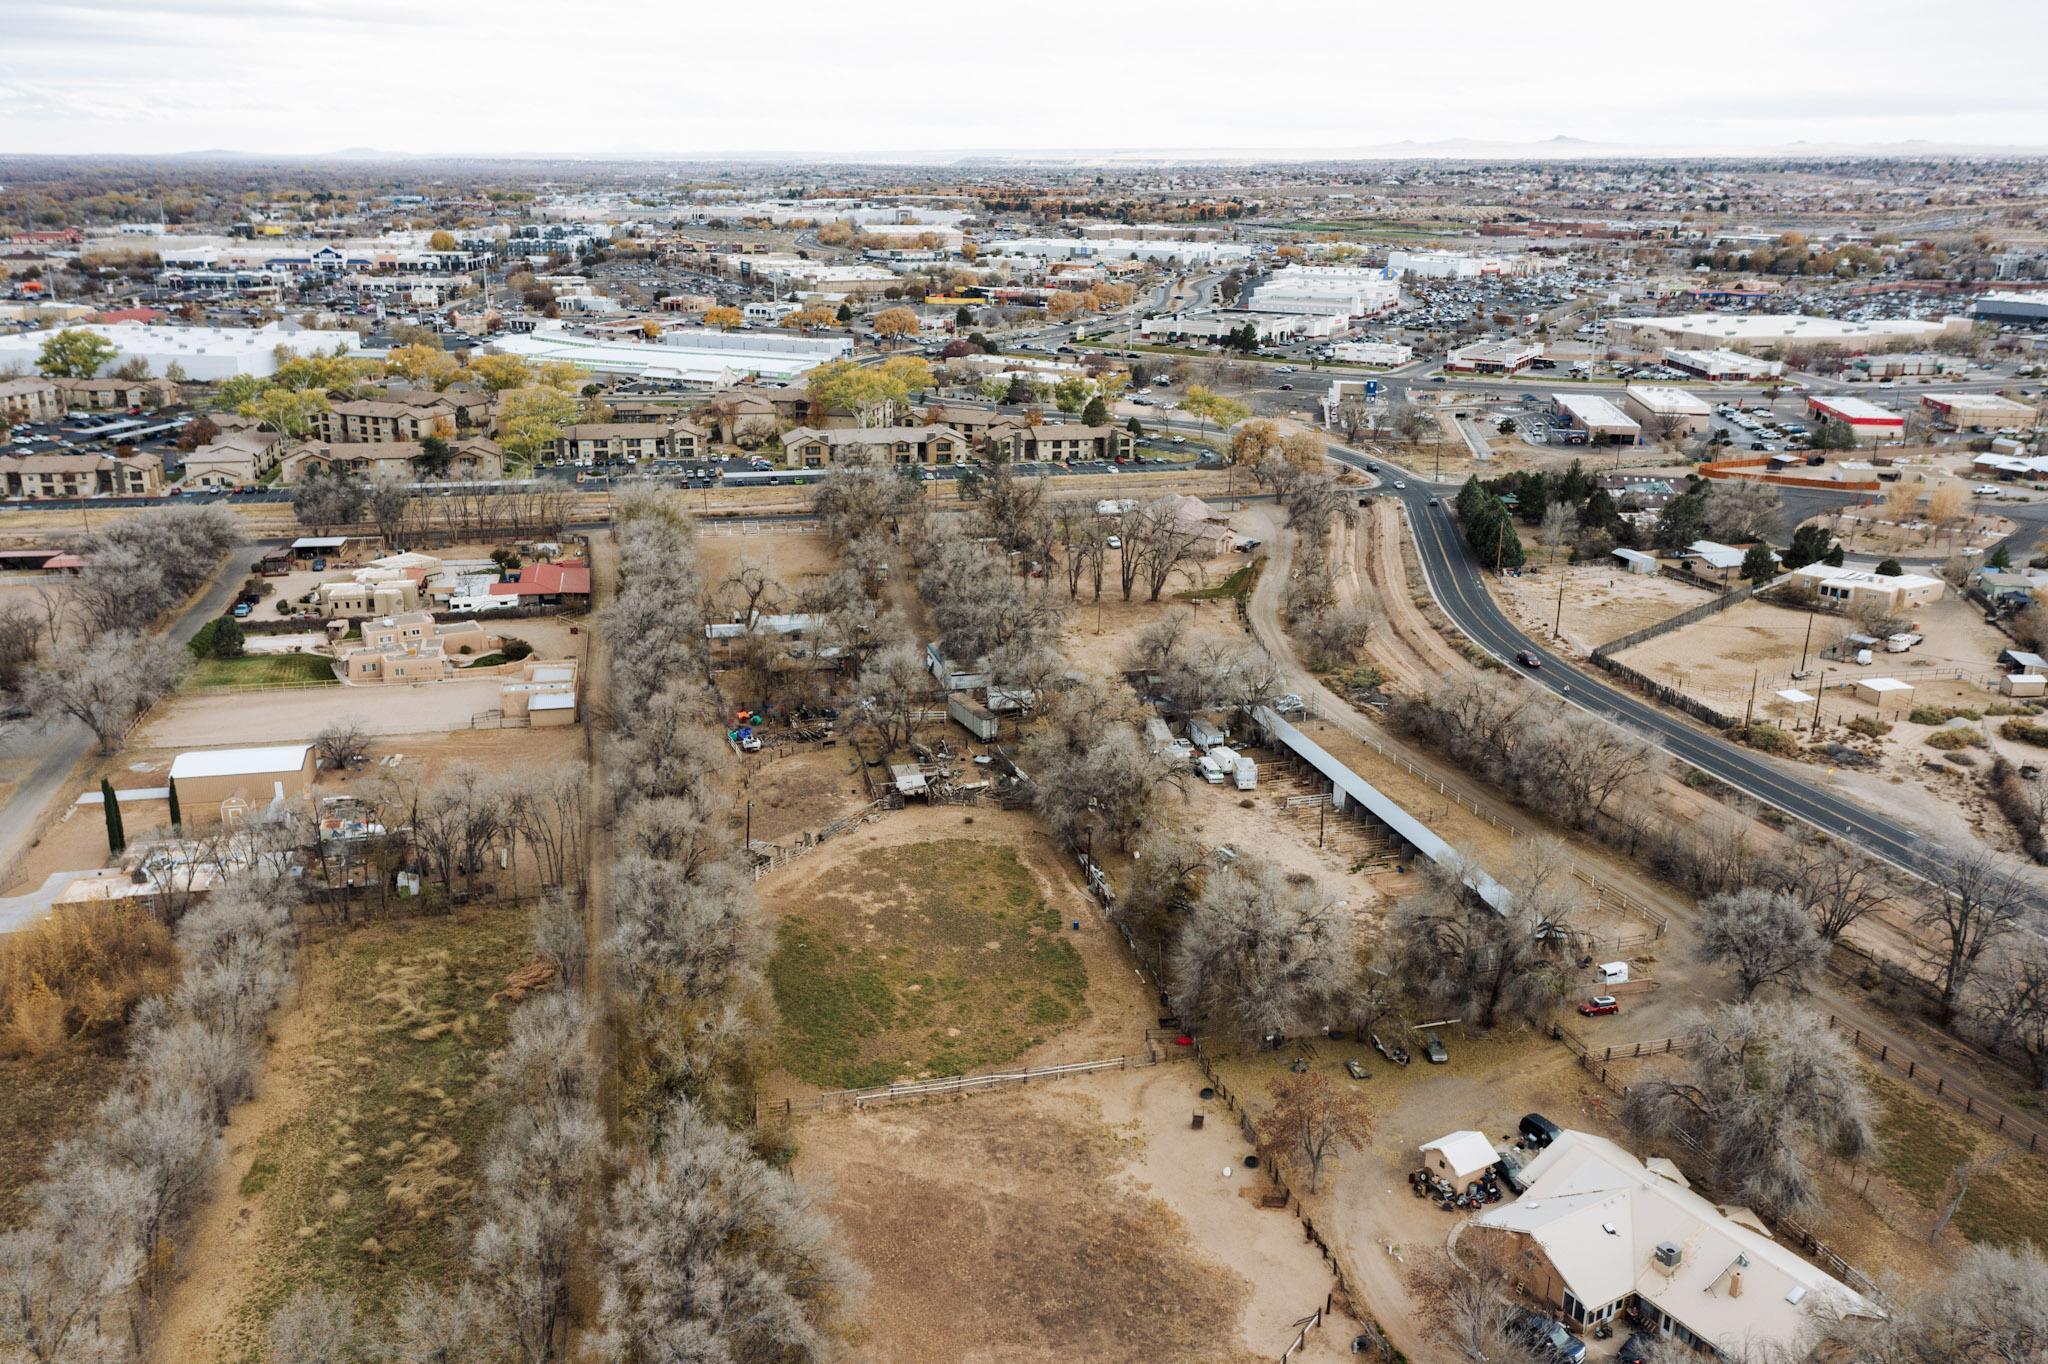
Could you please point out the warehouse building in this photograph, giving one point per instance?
(1723, 364)
(1780, 331)
(1453, 264)
(2012, 305)
(1600, 420)
(205, 354)
(1672, 409)
(234, 783)
(1214, 326)
(1337, 289)
(1866, 421)
(1980, 411)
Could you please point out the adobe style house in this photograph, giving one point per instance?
(472, 457)
(808, 448)
(1599, 1233)
(412, 648)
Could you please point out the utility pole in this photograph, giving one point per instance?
(1749, 712)
(1557, 626)
(1818, 693)
(1808, 640)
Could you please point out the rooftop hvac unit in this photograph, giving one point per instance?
(1667, 1257)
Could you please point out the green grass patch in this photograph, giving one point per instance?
(931, 959)
(1238, 584)
(486, 661)
(260, 670)
(1920, 1143)
(370, 1184)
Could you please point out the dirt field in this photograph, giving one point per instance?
(1714, 659)
(1112, 1013)
(354, 1165)
(1600, 602)
(790, 556)
(296, 715)
(798, 789)
(1866, 530)
(1079, 1220)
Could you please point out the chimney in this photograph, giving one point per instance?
(1735, 1284)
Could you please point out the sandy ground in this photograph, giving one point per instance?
(1368, 568)
(1082, 1219)
(297, 714)
(1600, 602)
(792, 557)
(1866, 530)
(1714, 659)
(797, 789)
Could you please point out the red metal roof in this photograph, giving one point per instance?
(547, 580)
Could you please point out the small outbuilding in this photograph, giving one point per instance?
(1635, 561)
(1882, 690)
(1459, 1158)
(228, 783)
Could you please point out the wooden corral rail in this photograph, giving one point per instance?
(2008, 1122)
(951, 1085)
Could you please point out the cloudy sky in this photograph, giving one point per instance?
(706, 76)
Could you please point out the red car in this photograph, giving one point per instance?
(1527, 659)
(1600, 1004)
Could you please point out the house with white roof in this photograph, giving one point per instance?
(1599, 1232)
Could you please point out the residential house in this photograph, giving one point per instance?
(43, 477)
(386, 595)
(412, 648)
(30, 400)
(1064, 442)
(471, 457)
(1600, 1233)
(563, 584)
(809, 448)
(1852, 587)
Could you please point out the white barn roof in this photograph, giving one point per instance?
(239, 762)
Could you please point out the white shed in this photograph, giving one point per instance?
(1636, 561)
(1459, 1158)
(1880, 691)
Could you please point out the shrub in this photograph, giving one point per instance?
(79, 973)
(516, 649)
(1869, 726)
(201, 643)
(2025, 731)
(1769, 738)
(1949, 740)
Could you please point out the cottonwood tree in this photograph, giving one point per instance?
(1741, 509)
(1091, 773)
(21, 642)
(892, 691)
(1492, 966)
(107, 682)
(1468, 1301)
(682, 938)
(1979, 897)
(342, 744)
(2009, 1003)
(1311, 1117)
(443, 1326)
(1992, 1307)
(1764, 1093)
(1836, 886)
(856, 500)
(65, 1274)
(1764, 935)
(546, 811)
(319, 1326)
(704, 1252)
(1332, 637)
(1260, 952)
(561, 935)
(456, 822)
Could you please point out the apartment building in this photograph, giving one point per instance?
(469, 459)
(30, 400)
(46, 477)
(1064, 442)
(629, 442)
(808, 448)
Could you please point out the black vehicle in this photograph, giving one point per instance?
(1637, 1349)
(1539, 1131)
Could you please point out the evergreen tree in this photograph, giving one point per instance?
(1834, 557)
(1758, 564)
(1810, 544)
(117, 839)
(1890, 568)
(1096, 413)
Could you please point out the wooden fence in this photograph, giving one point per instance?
(1683, 618)
(809, 843)
(950, 1085)
(1659, 692)
(2022, 1131)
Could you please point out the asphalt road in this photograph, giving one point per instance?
(1455, 581)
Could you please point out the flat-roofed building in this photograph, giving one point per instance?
(1780, 331)
(1722, 364)
(1602, 422)
(1494, 357)
(1851, 587)
(1980, 411)
(807, 448)
(1666, 410)
(1866, 421)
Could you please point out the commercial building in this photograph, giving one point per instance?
(1493, 357)
(1907, 365)
(1780, 331)
(689, 356)
(1723, 364)
(1123, 248)
(202, 353)
(1866, 421)
(1454, 264)
(1602, 422)
(1335, 289)
(1386, 353)
(229, 784)
(1670, 409)
(1214, 326)
(1599, 1233)
(1852, 587)
(2011, 305)
(1980, 411)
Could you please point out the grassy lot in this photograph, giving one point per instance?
(369, 1183)
(260, 670)
(931, 959)
(1922, 1141)
(1238, 584)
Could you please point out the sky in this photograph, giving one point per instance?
(703, 77)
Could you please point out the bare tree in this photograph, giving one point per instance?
(562, 936)
(1333, 636)
(1314, 1119)
(1764, 1092)
(1491, 964)
(443, 1326)
(1763, 934)
(2009, 1003)
(682, 939)
(1835, 885)
(342, 744)
(64, 1276)
(1993, 1307)
(108, 682)
(1091, 774)
(1979, 898)
(456, 822)
(1260, 952)
(319, 1326)
(892, 691)
(706, 1252)
(1468, 1301)
(547, 811)
(22, 632)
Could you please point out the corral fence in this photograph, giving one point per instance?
(498, 719)
(1683, 618)
(810, 842)
(948, 1086)
(2021, 1130)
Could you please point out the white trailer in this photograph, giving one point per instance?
(973, 717)
(1205, 736)
(1247, 773)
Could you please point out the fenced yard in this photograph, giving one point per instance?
(261, 672)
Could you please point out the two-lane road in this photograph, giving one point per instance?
(1455, 580)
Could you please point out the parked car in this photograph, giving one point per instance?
(1433, 1048)
(241, 610)
(1637, 1349)
(1549, 1336)
(1600, 1005)
(1527, 659)
(1539, 1131)
(1355, 1070)
(319, 565)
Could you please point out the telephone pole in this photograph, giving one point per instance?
(1557, 626)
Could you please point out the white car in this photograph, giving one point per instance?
(1987, 490)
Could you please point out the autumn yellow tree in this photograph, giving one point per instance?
(441, 241)
(836, 233)
(651, 329)
(1254, 443)
(1065, 304)
(811, 316)
(895, 322)
(500, 373)
(723, 317)
(1946, 503)
(423, 365)
(1303, 449)
(530, 418)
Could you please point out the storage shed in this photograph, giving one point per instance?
(1459, 1158)
(1881, 691)
(227, 783)
(1636, 561)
